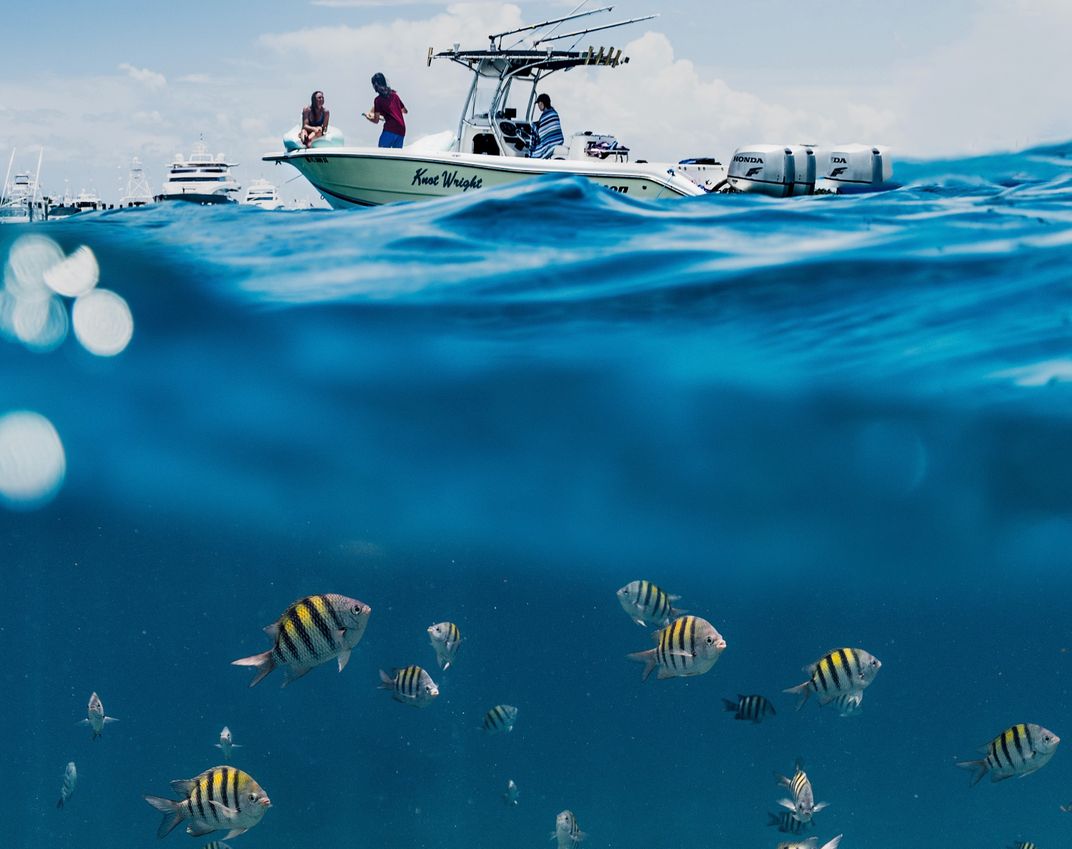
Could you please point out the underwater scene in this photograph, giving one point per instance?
(744, 522)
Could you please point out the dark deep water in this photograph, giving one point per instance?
(830, 421)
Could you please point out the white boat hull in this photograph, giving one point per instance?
(352, 176)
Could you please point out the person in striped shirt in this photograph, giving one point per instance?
(548, 133)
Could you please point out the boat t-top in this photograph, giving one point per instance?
(493, 140)
(20, 199)
(202, 178)
(138, 192)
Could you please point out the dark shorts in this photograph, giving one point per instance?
(390, 139)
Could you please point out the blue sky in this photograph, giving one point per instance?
(97, 83)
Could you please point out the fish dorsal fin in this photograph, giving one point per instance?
(810, 668)
(184, 786)
(272, 630)
(655, 635)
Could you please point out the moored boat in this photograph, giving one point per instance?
(201, 178)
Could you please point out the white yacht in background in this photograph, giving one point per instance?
(20, 200)
(202, 178)
(263, 194)
(138, 192)
(84, 201)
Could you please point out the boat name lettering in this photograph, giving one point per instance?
(748, 159)
(320, 160)
(446, 180)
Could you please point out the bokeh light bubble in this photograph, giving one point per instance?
(75, 275)
(40, 325)
(102, 322)
(30, 258)
(32, 460)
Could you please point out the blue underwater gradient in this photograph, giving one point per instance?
(823, 421)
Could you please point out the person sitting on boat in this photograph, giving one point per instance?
(548, 131)
(389, 108)
(314, 120)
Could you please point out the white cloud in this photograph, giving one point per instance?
(196, 79)
(144, 75)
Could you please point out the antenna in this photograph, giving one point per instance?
(7, 176)
(502, 35)
(594, 29)
(37, 176)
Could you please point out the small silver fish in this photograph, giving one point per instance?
(410, 685)
(500, 719)
(566, 831)
(445, 637)
(313, 630)
(811, 843)
(687, 646)
(219, 798)
(647, 604)
(70, 781)
(803, 804)
(1067, 809)
(227, 743)
(511, 794)
(849, 704)
(95, 717)
(1020, 750)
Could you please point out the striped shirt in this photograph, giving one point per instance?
(548, 134)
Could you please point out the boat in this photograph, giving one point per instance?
(491, 144)
(263, 194)
(84, 201)
(201, 178)
(20, 202)
(138, 192)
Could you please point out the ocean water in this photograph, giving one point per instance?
(827, 421)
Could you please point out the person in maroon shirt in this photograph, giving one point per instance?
(389, 107)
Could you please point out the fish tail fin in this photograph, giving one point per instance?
(979, 770)
(802, 690)
(731, 706)
(174, 813)
(675, 612)
(386, 681)
(647, 658)
(833, 842)
(264, 663)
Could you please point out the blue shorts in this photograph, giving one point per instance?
(390, 139)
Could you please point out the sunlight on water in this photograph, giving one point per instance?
(75, 275)
(32, 461)
(102, 322)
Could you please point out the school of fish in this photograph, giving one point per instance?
(317, 629)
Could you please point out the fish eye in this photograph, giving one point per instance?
(253, 797)
(710, 639)
(356, 609)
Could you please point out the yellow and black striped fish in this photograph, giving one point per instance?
(687, 646)
(751, 708)
(837, 672)
(445, 638)
(500, 718)
(410, 685)
(786, 823)
(313, 630)
(1023, 844)
(219, 798)
(647, 604)
(803, 805)
(1018, 750)
(566, 831)
(811, 843)
(216, 844)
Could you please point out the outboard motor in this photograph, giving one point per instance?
(766, 169)
(857, 168)
(804, 172)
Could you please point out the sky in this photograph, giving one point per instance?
(96, 84)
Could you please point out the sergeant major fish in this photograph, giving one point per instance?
(313, 630)
(410, 685)
(500, 718)
(786, 823)
(687, 646)
(647, 604)
(566, 831)
(1019, 750)
(218, 798)
(811, 843)
(227, 743)
(70, 780)
(445, 638)
(751, 708)
(802, 805)
(1023, 844)
(849, 704)
(837, 672)
(216, 844)
(95, 717)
